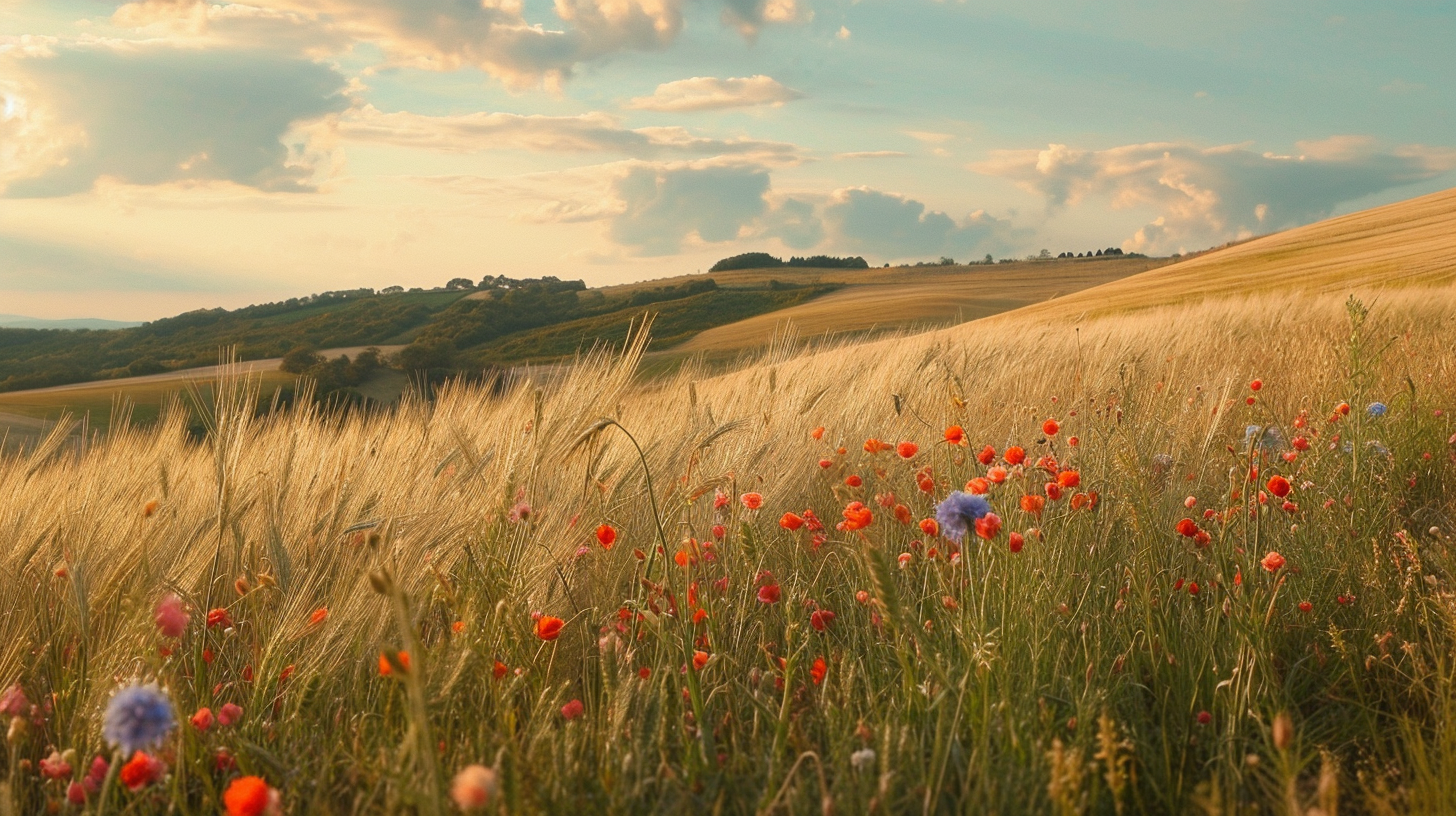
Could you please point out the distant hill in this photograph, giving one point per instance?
(10, 321)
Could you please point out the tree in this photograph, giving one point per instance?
(988, 259)
(460, 283)
(300, 359)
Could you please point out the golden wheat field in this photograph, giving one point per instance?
(743, 594)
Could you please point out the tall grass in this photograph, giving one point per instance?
(1066, 678)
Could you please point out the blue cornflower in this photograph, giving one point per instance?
(1375, 409)
(138, 717)
(958, 512)
(1272, 440)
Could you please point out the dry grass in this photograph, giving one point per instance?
(960, 710)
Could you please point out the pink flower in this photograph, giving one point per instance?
(171, 616)
(573, 709)
(229, 714)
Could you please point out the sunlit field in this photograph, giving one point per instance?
(1195, 559)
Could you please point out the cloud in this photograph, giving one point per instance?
(796, 222)
(711, 93)
(895, 226)
(152, 115)
(750, 16)
(665, 206)
(588, 133)
(1207, 196)
(444, 35)
(872, 154)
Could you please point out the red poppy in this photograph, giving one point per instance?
(978, 485)
(1073, 441)
(606, 535)
(817, 433)
(791, 521)
(1187, 528)
(1204, 718)
(1192, 587)
(818, 670)
(987, 455)
(997, 474)
(203, 719)
(1050, 427)
(955, 435)
(1033, 504)
(857, 516)
(853, 480)
(1279, 486)
(1272, 562)
(1015, 455)
(573, 709)
(930, 526)
(988, 526)
(1306, 606)
(821, 619)
(1079, 500)
(499, 670)
(1053, 491)
(700, 659)
(247, 796)
(752, 501)
(219, 617)
(1069, 478)
(769, 593)
(907, 450)
(1300, 443)
(385, 667)
(1016, 542)
(549, 627)
(873, 445)
(1256, 385)
(319, 616)
(1343, 408)
(142, 770)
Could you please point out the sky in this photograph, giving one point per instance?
(166, 155)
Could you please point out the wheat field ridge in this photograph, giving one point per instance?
(1193, 558)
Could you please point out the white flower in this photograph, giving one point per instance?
(863, 759)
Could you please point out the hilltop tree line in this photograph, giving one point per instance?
(763, 260)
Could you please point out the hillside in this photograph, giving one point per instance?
(1406, 244)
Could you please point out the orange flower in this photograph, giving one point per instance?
(752, 501)
(606, 535)
(219, 617)
(385, 669)
(1033, 504)
(988, 526)
(956, 435)
(907, 450)
(319, 616)
(987, 455)
(817, 433)
(150, 508)
(978, 485)
(857, 516)
(818, 670)
(930, 526)
(997, 474)
(1079, 500)
(457, 627)
(1069, 478)
(499, 670)
(791, 521)
(873, 445)
(700, 659)
(247, 796)
(142, 770)
(903, 514)
(549, 627)
(1050, 427)
(1279, 486)
(1015, 455)
(1272, 562)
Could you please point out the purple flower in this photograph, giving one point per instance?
(138, 717)
(958, 512)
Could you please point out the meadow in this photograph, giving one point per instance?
(1215, 577)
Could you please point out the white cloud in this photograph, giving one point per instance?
(148, 114)
(1206, 196)
(873, 154)
(444, 35)
(890, 225)
(711, 93)
(588, 133)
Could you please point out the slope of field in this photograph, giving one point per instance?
(914, 297)
(1409, 243)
